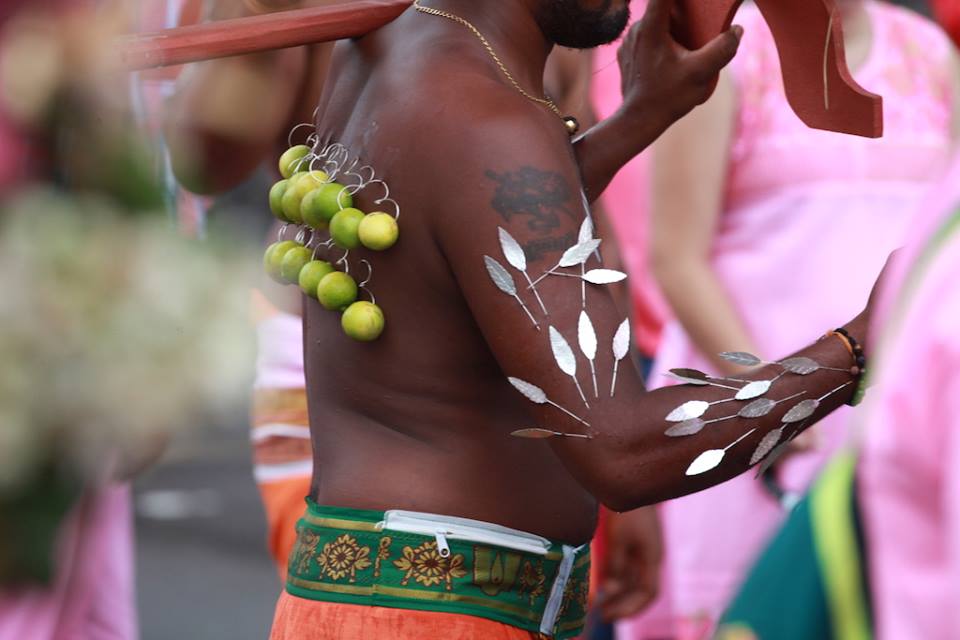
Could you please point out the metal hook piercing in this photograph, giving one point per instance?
(345, 262)
(396, 216)
(294, 130)
(369, 273)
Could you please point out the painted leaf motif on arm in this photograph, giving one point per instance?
(767, 444)
(562, 353)
(706, 461)
(587, 336)
(621, 340)
(579, 253)
(604, 276)
(586, 227)
(500, 276)
(742, 358)
(532, 392)
(686, 428)
(512, 250)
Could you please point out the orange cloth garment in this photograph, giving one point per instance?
(282, 464)
(301, 619)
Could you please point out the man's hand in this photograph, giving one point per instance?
(632, 572)
(661, 82)
(660, 77)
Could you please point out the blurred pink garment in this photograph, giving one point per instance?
(909, 478)
(626, 202)
(808, 221)
(279, 352)
(92, 595)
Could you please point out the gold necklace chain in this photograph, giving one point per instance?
(493, 54)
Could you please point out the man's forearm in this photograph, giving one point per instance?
(631, 462)
(606, 147)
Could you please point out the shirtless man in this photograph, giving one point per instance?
(420, 420)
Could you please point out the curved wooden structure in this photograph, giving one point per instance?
(809, 38)
(346, 19)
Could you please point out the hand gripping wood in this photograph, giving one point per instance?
(808, 34)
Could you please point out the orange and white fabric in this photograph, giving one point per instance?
(282, 455)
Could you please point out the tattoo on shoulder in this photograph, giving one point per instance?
(537, 249)
(539, 196)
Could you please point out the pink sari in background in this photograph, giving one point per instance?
(92, 594)
(808, 220)
(626, 202)
(909, 474)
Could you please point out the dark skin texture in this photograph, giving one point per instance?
(420, 419)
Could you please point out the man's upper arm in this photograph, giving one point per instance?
(521, 178)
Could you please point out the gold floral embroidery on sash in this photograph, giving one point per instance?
(426, 566)
(583, 594)
(532, 580)
(383, 553)
(343, 557)
(304, 552)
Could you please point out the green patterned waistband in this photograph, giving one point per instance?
(345, 555)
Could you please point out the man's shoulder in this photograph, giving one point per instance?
(474, 100)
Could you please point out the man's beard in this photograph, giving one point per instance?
(567, 24)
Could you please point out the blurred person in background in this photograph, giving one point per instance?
(81, 416)
(873, 551)
(215, 147)
(744, 197)
(91, 592)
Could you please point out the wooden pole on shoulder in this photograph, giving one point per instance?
(221, 39)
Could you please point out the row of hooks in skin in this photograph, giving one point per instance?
(334, 158)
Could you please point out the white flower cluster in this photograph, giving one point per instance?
(113, 331)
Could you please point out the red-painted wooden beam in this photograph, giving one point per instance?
(809, 37)
(346, 19)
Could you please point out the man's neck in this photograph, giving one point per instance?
(513, 32)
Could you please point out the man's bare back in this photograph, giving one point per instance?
(421, 419)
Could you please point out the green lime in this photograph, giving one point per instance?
(297, 188)
(290, 203)
(332, 198)
(292, 161)
(293, 261)
(337, 291)
(273, 258)
(304, 183)
(344, 226)
(378, 231)
(363, 321)
(310, 210)
(276, 199)
(311, 275)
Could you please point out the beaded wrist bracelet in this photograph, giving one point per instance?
(859, 368)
